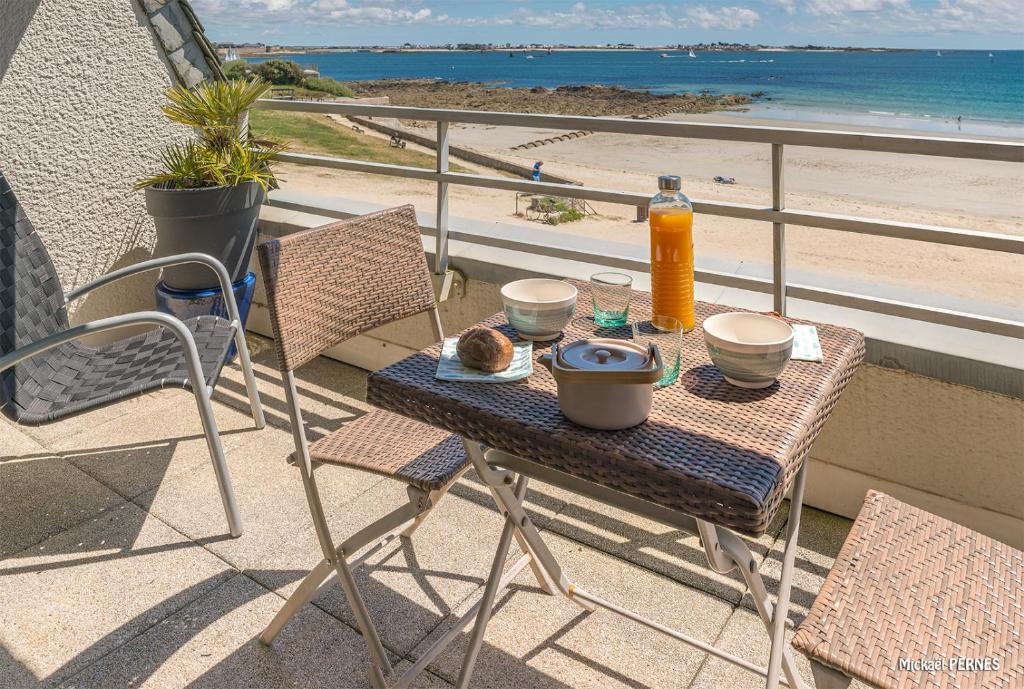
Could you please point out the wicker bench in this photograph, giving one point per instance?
(915, 600)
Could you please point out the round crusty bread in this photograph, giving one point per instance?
(485, 349)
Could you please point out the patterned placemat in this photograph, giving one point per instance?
(806, 345)
(450, 368)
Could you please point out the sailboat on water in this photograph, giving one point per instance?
(938, 53)
(691, 53)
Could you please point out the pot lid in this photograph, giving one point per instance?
(604, 355)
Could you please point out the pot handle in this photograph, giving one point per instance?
(547, 359)
(656, 355)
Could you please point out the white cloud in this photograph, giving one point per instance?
(837, 7)
(312, 11)
(730, 18)
(648, 16)
(899, 16)
(877, 17)
(787, 6)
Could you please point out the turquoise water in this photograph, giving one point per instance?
(903, 89)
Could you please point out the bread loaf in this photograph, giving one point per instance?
(485, 349)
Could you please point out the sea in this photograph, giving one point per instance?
(966, 91)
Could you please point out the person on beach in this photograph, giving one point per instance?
(536, 170)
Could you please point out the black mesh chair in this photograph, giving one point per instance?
(47, 373)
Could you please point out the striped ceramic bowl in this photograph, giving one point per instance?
(750, 349)
(538, 308)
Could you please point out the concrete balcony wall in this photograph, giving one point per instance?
(952, 449)
(81, 85)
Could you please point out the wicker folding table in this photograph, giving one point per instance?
(712, 459)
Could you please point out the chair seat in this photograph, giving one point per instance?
(395, 446)
(915, 600)
(75, 377)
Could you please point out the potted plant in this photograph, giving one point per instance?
(207, 197)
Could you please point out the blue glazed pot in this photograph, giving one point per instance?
(189, 303)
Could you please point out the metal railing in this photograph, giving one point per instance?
(777, 214)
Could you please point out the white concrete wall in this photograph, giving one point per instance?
(81, 84)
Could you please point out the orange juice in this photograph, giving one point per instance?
(671, 218)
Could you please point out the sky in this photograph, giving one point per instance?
(951, 24)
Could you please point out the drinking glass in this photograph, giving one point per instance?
(611, 293)
(667, 333)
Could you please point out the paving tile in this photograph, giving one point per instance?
(213, 643)
(324, 388)
(673, 553)
(134, 453)
(17, 443)
(821, 537)
(43, 495)
(84, 592)
(52, 434)
(409, 586)
(547, 642)
(270, 497)
(745, 636)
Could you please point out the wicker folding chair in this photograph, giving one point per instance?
(324, 286)
(47, 374)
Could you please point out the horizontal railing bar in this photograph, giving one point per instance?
(1007, 151)
(933, 234)
(889, 307)
(359, 166)
(639, 265)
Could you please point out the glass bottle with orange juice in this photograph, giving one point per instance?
(671, 217)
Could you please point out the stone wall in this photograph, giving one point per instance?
(81, 84)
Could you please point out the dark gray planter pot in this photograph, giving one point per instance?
(219, 221)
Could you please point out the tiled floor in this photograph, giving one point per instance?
(116, 571)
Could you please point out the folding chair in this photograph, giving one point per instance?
(324, 286)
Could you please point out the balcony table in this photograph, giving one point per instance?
(711, 459)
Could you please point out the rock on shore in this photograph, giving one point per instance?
(564, 100)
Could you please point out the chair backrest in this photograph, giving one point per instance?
(331, 283)
(31, 298)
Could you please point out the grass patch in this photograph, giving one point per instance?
(558, 210)
(310, 133)
(328, 85)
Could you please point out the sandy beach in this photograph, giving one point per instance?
(975, 195)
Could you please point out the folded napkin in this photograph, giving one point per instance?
(806, 346)
(450, 368)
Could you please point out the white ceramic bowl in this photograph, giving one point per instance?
(539, 308)
(750, 349)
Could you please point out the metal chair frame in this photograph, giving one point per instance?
(725, 551)
(202, 392)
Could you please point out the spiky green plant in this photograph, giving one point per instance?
(224, 153)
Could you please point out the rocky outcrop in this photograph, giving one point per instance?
(564, 100)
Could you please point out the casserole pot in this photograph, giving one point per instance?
(605, 384)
